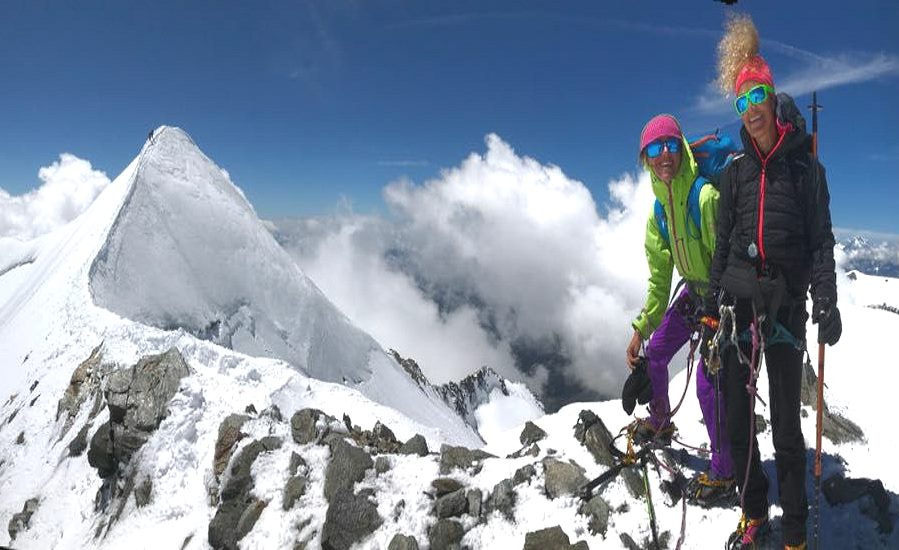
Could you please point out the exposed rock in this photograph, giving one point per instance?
(309, 425)
(273, 412)
(402, 542)
(398, 509)
(239, 478)
(101, 454)
(452, 505)
(835, 427)
(591, 432)
(873, 499)
(474, 497)
(22, 520)
(84, 383)
(524, 474)
(239, 510)
(562, 478)
(628, 542)
(296, 463)
(531, 434)
(382, 465)
(551, 538)
(840, 429)
(459, 457)
(502, 499)
(138, 399)
(20, 440)
(384, 439)
(79, 444)
(533, 450)
(445, 486)
(597, 511)
(249, 517)
(229, 435)
(250, 409)
(346, 467)
(415, 446)
(350, 518)
(446, 534)
(143, 492)
(295, 488)
(761, 425)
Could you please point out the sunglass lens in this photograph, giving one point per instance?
(673, 146)
(654, 149)
(758, 94)
(741, 104)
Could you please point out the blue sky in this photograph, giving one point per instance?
(308, 102)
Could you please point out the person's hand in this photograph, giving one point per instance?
(708, 327)
(827, 316)
(633, 350)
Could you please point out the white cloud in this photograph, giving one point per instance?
(499, 249)
(69, 186)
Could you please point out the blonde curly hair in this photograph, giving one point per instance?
(739, 44)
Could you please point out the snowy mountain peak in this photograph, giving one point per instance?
(187, 251)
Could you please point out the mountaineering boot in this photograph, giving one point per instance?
(708, 490)
(644, 431)
(749, 535)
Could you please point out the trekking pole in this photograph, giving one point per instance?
(652, 513)
(815, 107)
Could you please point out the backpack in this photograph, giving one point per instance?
(712, 152)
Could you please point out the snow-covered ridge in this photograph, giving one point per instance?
(188, 252)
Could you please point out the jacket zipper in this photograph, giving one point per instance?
(762, 185)
(677, 242)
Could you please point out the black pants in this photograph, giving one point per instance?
(784, 367)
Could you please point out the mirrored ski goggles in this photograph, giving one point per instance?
(756, 95)
(654, 149)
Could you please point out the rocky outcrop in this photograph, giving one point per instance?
(531, 434)
(460, 457)
(22, 520)
(239, 509)
(229, 435)
(835, 426)
(446, 534)
(562, 478)
(138, 399)
(346, 467)
(84, 385)
(592, 433)
(552, 538)
(350, 519)
(417, 445)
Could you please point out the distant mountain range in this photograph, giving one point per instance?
(871, 258)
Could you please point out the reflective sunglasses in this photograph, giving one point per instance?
(756, 95)
(654, 149)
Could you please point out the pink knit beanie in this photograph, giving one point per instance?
(658, 127)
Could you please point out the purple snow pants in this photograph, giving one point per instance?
(668, 338)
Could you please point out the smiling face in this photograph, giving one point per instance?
(666, 165)
(759, 120)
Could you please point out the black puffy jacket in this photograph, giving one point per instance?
(779, 209)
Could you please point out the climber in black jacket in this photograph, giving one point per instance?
(775, 243)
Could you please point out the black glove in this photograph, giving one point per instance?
(827, 316)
